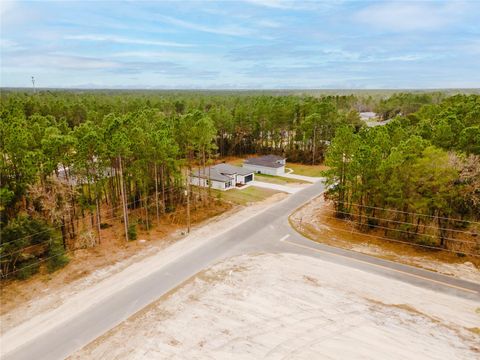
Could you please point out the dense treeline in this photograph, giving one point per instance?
(417, 178)
(245, 124)
(71, 161)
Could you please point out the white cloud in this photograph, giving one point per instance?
(8, 45)
(6, 6)
(124, 40)
(176, 56)
(268, 23)
(472, 47)
(276, 4)
(294, 4)
(411, 16)
(59, 61)
(221, 30)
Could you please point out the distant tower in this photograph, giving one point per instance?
(33, 83)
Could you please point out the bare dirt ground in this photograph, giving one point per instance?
(22, 301)
(288, 306)
(315, 220)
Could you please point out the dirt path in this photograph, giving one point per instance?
(290, 306)
(315, 220)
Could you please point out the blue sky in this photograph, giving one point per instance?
(261, 44)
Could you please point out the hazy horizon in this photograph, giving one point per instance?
(249, 44)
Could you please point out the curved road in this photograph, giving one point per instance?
(268, 231)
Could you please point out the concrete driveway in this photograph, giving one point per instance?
(278, 187)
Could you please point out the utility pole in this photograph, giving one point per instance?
(33, 83)
(124, 203)
(314, 143)
(187, 194)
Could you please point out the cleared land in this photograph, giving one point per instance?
(290, 306)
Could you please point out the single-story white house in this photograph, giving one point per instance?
(268, 164)
(221, 176)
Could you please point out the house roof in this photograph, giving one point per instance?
(219, 172)
(267, 161)
(231, 169)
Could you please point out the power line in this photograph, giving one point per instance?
(58, 227)
(402, 222)
(36, 263)
(59, 237)
(50, 239)
(40, 261)
(403, 242)
(403, 231)
(406, 212)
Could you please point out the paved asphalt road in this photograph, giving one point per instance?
(270, 232)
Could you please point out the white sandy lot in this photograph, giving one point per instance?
(290, 306)
(32, 318)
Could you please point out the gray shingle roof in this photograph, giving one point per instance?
(231, 169)
(267, 161)
(219, 172)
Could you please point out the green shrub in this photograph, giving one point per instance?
(22, 232)
(57, 257)
(132, 232)
(27, 268)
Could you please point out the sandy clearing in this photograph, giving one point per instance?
(289, 306)
(37, 316)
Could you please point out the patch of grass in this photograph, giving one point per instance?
(307, 170)
(245, 196)
(278, 179)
